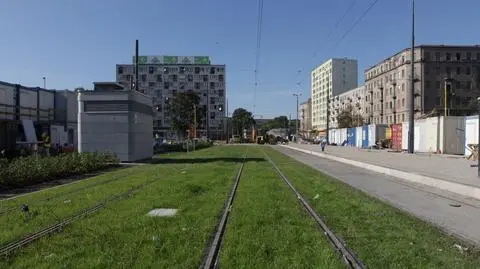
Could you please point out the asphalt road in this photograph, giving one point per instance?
(452, 213)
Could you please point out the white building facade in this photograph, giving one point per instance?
(331, 78)
(356, 98)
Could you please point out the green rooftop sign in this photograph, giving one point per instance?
(167, 59)
(202, 60)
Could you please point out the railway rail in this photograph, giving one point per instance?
(211, 259)
(29, 238)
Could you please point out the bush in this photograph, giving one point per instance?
(32, 169)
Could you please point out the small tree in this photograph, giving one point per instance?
(242, 119)
(347, 118)
(181, 108)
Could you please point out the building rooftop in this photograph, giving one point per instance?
(431, 46)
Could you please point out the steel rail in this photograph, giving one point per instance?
(348, 256)
(8, 248)
(213, 251)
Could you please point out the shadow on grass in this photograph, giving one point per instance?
(202, 160)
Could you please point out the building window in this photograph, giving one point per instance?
(166, 85)
(174, 92)
(212, 70)
(212, 100)
(459, 70)
(159, 78)
(144, 77)
(129, 77)
(458, 56)
(190, 78)
(197, 70)
(403, 102)
(468, 85)
(151, 84)
(403, 117)
(151, 69)
(448, 56)
(182, 86)
(427, 55)
(467, 70)
(403, 87)
(448, 70)
(220, 78)
(469, 55)
(478, 56)
(212, 115)
(120, 70)
(197, 85)
(403, 73)
(174, 77)
(212, 85)
(427, 84)
(165, 70)
(221, 93)
(182, 70)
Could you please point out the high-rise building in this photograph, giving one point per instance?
(305, 112)
(331, 78)
(441, 73)
(162, 77)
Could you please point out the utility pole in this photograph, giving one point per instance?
(226, 120)
(296, 122)
(136, 65)
(411, 124)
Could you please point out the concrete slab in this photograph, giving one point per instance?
(454, 175)
(162, 212)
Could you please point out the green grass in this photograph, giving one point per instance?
(121, 236)
(382, 236)
(268, 228)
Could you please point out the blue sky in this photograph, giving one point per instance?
(74, 43)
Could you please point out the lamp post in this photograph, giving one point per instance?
(296, 122)
(411, 126)
(44, 82)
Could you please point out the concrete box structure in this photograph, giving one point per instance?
(116, 121)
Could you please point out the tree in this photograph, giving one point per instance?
(242, 119)
(347, 118)
(278, 122)
(181, 108)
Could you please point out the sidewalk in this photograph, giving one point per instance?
(451, 174)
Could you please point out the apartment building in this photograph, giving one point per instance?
(436, 67)
(355, 98)
(162, 77)
(305, 112)
(331, 78)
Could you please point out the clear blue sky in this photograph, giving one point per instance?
(76, 42)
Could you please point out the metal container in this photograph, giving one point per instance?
(471, 133)
(396, 136)
(365, 136)
(351, 136)
(358, 136)
(343, 135)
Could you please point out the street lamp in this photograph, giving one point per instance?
(44, 82)
(296, 122)
(411, 124)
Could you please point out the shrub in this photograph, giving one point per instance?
(32, 169)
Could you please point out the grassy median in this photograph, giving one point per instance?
(268, 228)
(382, 236)
(122, 236)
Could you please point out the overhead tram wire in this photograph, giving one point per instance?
(356, 22)
(257, 52)
(340, 20)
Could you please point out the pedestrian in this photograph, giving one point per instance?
(323, 143)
